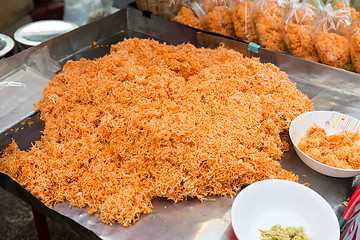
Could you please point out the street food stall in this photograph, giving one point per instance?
(328, 88)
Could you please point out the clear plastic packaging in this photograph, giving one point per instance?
(355, 47)
(331, 36)
(188, 12)
(173, 7)
(211, 15)
(187, 17)
(298, 24)
(23, 87)
(219, 20)
(244, 26)
(84, 11)
(268, 16)
(353, 12)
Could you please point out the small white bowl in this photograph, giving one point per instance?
(264, 204)
(6, 44)
(332, 122)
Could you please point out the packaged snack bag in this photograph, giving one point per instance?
(188, 12)
(297, 31)
(353, 12)
(219, 20)
(243, 24)
(206, 5)
(268, 15)
(187, 17)
(331, 36)
(355, 47)
(210, 15)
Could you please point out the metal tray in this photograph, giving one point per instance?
(327, 87)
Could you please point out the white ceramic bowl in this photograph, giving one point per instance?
(332, 122)
(264, 204)
(6, 44)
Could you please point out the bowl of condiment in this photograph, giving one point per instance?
(266, 206)
(34, 33)
(327, 142)
(6, 44)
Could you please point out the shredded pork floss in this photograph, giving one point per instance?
(155, 120)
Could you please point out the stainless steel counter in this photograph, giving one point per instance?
(327, 87)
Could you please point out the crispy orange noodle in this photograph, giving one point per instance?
(155, 120)
(338, 150)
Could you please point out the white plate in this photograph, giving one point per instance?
(266, 203)
(6, 44)
(34, 33)
(332, 122)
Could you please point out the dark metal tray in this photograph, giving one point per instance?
(327, 87)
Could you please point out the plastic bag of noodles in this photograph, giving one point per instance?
(219, 18)
(244, 26)
(298, 24)
(210, 15)
(355, 47)
(345, 6)
(187, 12)
(355, 36)
(331, 36)
(268, 16)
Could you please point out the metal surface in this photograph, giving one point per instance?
(327, 87)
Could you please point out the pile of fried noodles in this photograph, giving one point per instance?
(155, 120)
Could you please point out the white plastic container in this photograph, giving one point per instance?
(264, 204)
(332, 122)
